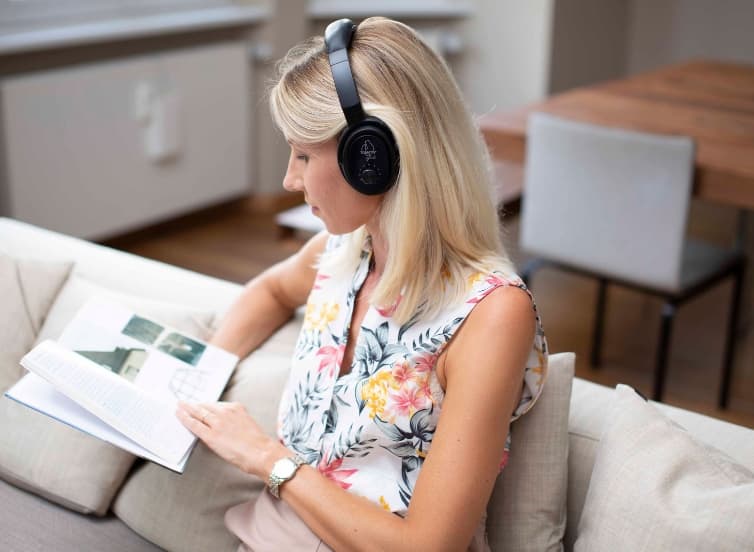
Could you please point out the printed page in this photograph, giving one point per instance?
(138, 415)
(40, 395)
(151, 355)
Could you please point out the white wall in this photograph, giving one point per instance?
(287, 26)
(669, 31)
(506, 59)
(518, 52)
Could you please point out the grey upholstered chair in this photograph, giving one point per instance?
(613, 204)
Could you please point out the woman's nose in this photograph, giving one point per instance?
(293, 182)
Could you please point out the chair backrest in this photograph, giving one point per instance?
(610, 201)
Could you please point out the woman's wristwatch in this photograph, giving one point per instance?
(283, 470)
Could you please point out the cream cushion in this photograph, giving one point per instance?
(78, 290)
(27, 289)
(56, 461)
(527, 510)
(655, 487)
(186, 512)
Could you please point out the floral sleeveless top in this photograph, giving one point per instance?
(370, 429)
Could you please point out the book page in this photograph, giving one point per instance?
(138, 415)
(38, 394)
(151, 355)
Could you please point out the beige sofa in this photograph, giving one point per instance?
(557, 456)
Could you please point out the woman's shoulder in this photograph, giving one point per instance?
(502, 331)
(498, 306)
(480, 284)
(500, 301)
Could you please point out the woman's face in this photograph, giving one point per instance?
(314, 170)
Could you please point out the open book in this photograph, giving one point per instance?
(118, 376)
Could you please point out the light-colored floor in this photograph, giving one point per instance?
(237, 245)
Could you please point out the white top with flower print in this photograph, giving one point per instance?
(370, 429)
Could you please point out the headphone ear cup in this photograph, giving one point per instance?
(368, 157)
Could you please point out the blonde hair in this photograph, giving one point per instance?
(439, 221)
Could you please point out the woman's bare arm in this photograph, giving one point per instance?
(483, 369)
(269, 300)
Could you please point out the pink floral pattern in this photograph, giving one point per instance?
(331, 357)
(405, 402)
(332, 471)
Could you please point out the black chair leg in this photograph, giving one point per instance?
(666, 327)
(730, 338)
(599, 322)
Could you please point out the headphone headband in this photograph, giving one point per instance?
(338, 37)
(367, 154)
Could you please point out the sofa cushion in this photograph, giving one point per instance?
(78, 290)
(29, 522)
(54, 460)
(654, 486)
(186, 512)
(527, 510)
(27, 289)
(589, 402)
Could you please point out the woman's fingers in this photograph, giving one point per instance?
(196, 412)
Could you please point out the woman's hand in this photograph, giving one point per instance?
(231, 433)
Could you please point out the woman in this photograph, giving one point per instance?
(419, 346)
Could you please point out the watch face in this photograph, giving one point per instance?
(284, 468)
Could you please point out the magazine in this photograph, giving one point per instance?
(119, 376)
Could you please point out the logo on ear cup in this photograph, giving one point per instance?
(368, 151)
(369, 174)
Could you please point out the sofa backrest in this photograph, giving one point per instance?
(116, 270)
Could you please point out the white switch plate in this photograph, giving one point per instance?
(163, 133)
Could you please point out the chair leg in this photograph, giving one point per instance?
(731, 338)
(599, 322)
(666, 327)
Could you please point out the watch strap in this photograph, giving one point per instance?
(274, 482)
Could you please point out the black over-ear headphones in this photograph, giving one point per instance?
(367, 152)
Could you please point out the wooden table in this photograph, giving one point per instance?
(713, 102)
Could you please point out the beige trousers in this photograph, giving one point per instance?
(270, 525)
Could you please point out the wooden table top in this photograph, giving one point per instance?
(712, 102)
